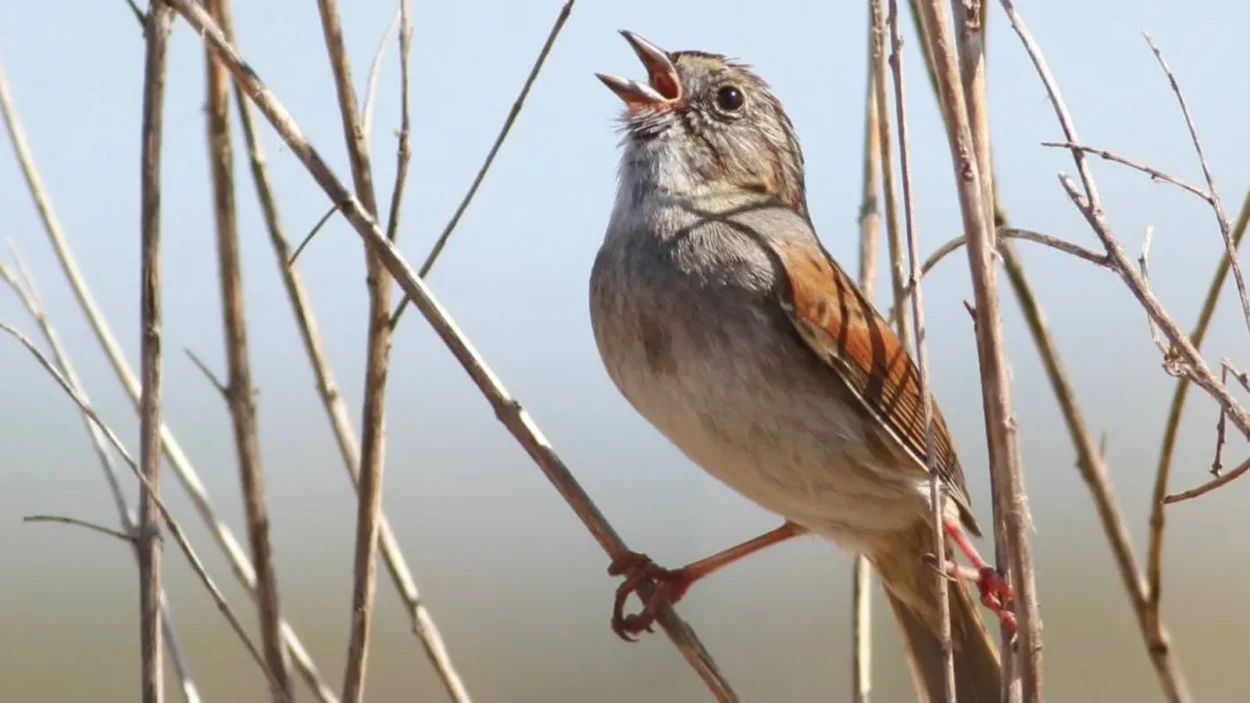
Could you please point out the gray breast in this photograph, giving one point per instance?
(691, 331)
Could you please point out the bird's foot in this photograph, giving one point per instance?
(667, 586)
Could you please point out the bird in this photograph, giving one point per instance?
(721, 318)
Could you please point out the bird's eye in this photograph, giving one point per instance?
(729, 98)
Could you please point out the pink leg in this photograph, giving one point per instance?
(671, 585)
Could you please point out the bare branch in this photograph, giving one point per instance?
(1090, 206)
(211, 377)
(1151, 171)
(1091, 461)
(366, 119)
(239, 397)
(1008, 233)
(869, 234)
(1163, 471)
(375, 72)
(422, 622)
(490, 156)
(32, 301)
(64, 520)
(507, 409)
(152, 683)
(1011, 505)
(894, 237)
(174, 528)
(937, 491)
(377, 355)
(1222, 219)
(1143, 264)
(1221, 480)
(178, 460)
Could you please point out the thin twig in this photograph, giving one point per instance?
(160, 508)
(1221, 480)
(375, 71)
(1091, 461)
(239, 396)
(216, 383)
(1151, 171)
(1196, 371)
(1163, 471)
(422, 622)
(178, 460)
(894, 237)
(1221, 427)
(937, 491)
(28, 293)
(404, 151)
(1008, 233)
(1143, 265)
(1221, 218)
(490, 156)
(1011, 504)
(507, 408)
(1090, 205)
(377, 361)
(970, 24)
(152, 683)
(869, 235)
(139, 14)
(870, 203)
(64, 520)
(366, 119)
(303, 243)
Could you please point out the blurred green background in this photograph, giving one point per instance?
(514, 582)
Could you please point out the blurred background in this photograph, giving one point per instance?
(515, 583)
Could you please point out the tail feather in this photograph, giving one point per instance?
(911, 591)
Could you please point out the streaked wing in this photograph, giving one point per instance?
(841, 326)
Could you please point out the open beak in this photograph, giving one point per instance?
(662, 86)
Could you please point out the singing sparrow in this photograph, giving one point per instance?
(724, 322)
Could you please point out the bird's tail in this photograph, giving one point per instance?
(911, 590)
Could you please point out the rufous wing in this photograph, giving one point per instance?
(839, 324)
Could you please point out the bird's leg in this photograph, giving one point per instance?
(669, 585)
(996, 594)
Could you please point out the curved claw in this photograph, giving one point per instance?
(667, 588)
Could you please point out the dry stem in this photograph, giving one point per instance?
(1147, 169)
(159, 22)
(1090, 205)
(898, 276)
(1213, 194)
(869, 234)
(366, 120)
(490, 156)
(1011, 507)
(148, 489)
(1010, 233)
(31, 300)
(377, 360)
(75, 522)
(1093, 467)
(1091, 459)
(239, 394)
(937, 491)
(423, 624)
(178, 460)
(1163, 472)
(507, 409)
